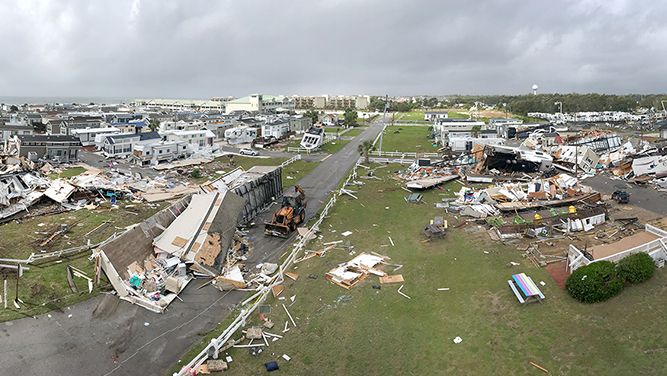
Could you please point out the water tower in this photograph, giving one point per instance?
(534, 89)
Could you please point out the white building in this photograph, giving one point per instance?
(160, 151)
(121, 145)
(260, 103)
(181, 125)
(466, 143)
(313, 138)
(435, 115)
(195, 140)
(277, 129)
(14, 127)
(241, 135)
(182, 104)
(88, 136)
(445, 129)
(651, 241)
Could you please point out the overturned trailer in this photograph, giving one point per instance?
(135, 247)
(259, 186)
(150, 263)
(506, 158)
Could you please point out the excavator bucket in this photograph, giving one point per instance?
(276, 229)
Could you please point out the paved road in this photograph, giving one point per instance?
(645, 197)
(106, 336)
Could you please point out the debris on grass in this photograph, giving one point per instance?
(539, 367)
(398, 278)
(348, 274)
(292, 275)
(289, 315)
(403, 294)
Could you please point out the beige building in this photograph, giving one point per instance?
(338, 102)
(182, 104)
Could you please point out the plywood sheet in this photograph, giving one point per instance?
(179, 242)
(398, 278)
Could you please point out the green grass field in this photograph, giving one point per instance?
(364, 331)
(417, 115)
(332, 130)
(410, 116)
(333, 146)
(355, 131)
(44, 287)
(457, 115)
(398, 138)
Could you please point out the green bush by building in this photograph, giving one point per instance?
(636, 268)
(595, 282)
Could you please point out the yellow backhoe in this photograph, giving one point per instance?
(289, 216)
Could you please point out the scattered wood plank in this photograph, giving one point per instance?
(277, 290)
(292, 275)
(539, 367)
(398, 278)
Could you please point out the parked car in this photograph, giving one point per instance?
(246, 151)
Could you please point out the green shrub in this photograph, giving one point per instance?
(196, 174)
(595, 282)
(636, 268)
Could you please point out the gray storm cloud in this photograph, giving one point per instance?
(208, 48)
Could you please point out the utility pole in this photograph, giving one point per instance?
(384, 124)
(576, 159)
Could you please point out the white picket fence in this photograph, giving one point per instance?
(291, 160)
(385, 160)
(292, 149)
(402, 154)
(260, 296)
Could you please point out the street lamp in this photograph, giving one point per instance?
(559, 104)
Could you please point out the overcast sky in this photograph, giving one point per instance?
(198, 49)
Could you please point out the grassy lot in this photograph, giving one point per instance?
(364, 331)
(333, 146)
(213, 170)
(397, 138)
(355, 131)
(44, 287)
(457, 115)
(68, 173)
(410, 116)
(332, 130)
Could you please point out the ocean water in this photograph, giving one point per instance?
(45, 100)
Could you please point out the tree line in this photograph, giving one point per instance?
(523, 104)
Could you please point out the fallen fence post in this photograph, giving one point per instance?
(289, 315)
